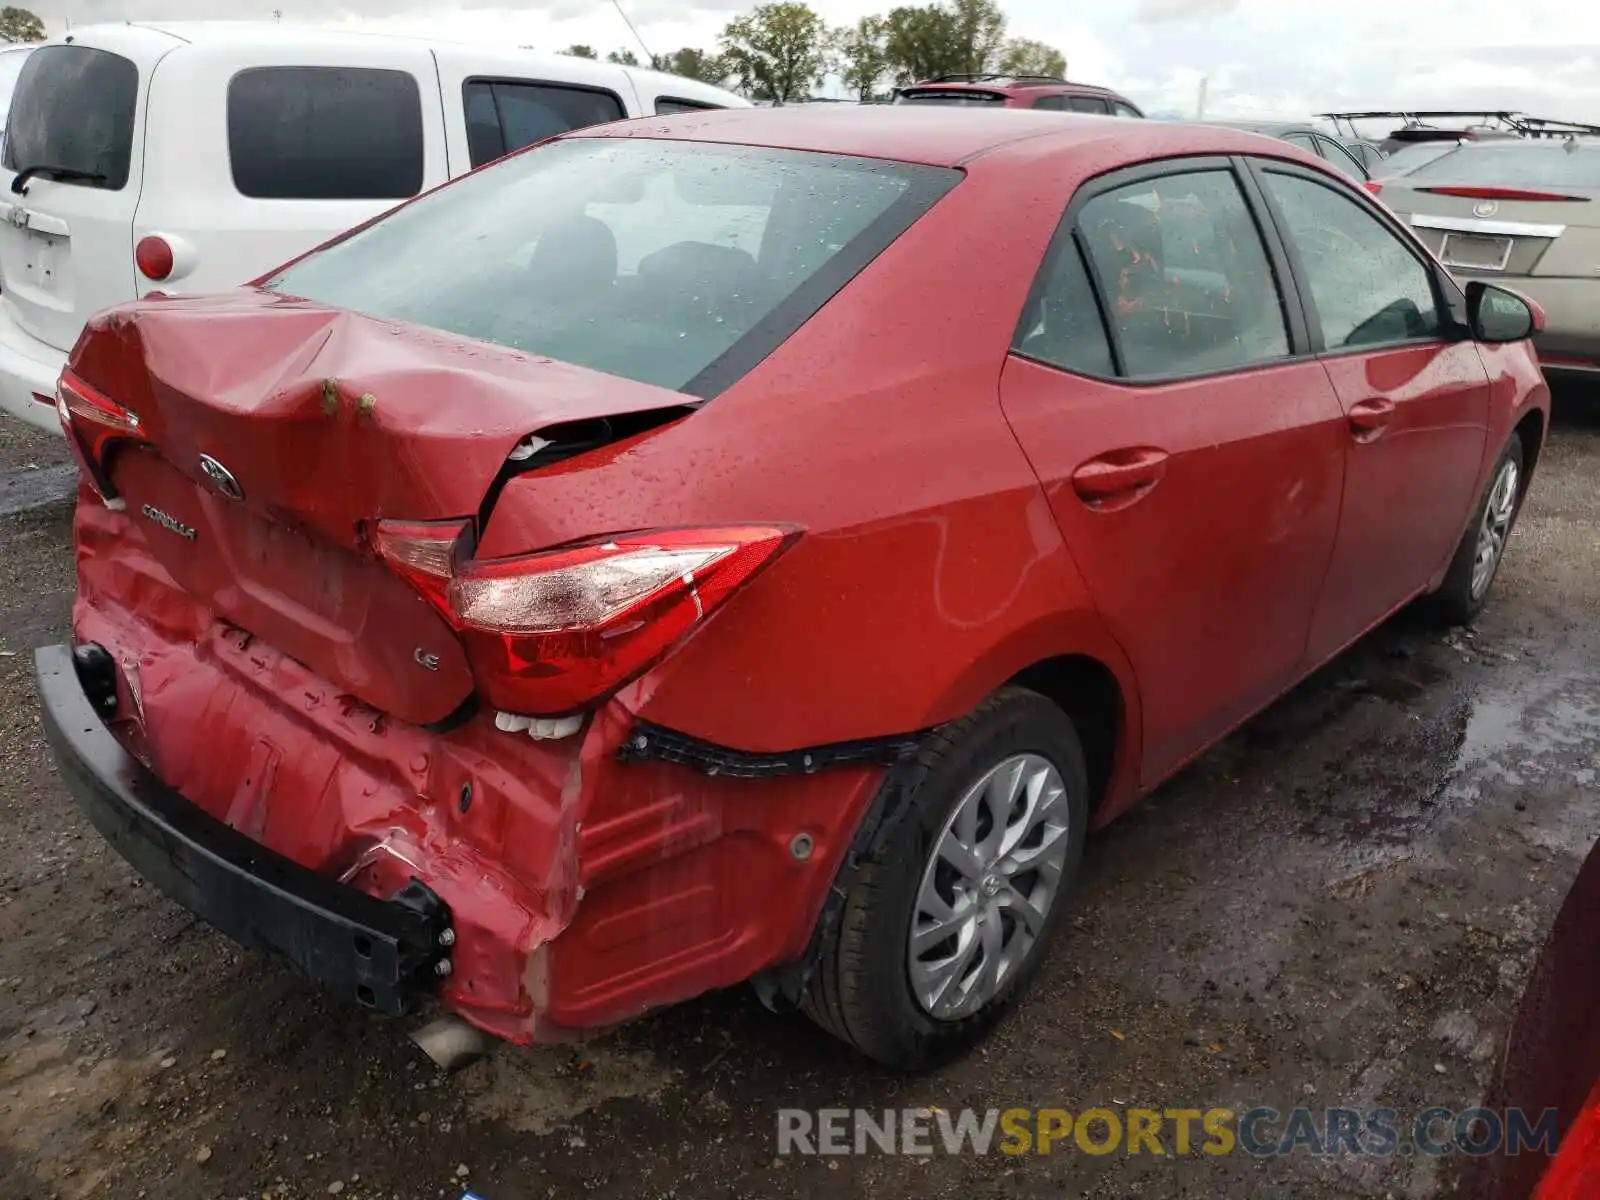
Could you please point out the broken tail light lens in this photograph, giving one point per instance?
(92, 422)
(550, 633)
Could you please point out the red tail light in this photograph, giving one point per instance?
(549, 633)
(1498, 193)
(93, 421)
(155, 258)
(1373, 186)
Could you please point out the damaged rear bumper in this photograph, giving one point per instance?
(381, 954)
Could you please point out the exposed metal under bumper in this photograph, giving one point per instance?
(648, 742)
(381, 954)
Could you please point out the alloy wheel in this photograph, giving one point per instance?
(1495, 527)
(988, 886)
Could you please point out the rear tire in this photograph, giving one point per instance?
(1003, 792)
(1472, 572)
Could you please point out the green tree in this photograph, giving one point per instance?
(778, 52)
(954, 38)
(861, 54)
(693, 64)
(626, 58)
(579, 50)
(980, 30)
(921, 43)
(20, 25)
(1024, 56)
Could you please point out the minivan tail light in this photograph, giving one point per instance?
(549, 633)
(155, 258)
(93, 421)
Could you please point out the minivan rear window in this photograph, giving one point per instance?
(679, 264)
(73, 112)
(325, 133)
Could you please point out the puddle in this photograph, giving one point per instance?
(1541, 733)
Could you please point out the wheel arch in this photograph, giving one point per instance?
(1530, 428)
(1072, 659)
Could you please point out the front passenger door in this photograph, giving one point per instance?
(1416, 401)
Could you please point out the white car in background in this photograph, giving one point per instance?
(193, 157)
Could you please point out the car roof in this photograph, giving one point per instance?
(935, 136)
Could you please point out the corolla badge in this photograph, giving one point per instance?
(221, 478)
(169, 522)
(1485, 208)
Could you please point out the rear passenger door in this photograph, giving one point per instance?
(1191, 453)
(491, 114)
(1415, 397)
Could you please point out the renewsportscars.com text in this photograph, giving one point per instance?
(1169, 1132)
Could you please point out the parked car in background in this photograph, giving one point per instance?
(188, 157)
(448, 622)
(1307, 138)
(1369, 154)
(1408, 158)
(1048, 92)
(1525, 213)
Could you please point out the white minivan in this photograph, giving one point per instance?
(192, 157)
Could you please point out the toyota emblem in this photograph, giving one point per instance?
(221, 478)
(1485, 208)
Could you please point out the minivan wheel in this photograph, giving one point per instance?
(948, 913)
(1472, 572)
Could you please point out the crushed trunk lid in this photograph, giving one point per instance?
(279, 432)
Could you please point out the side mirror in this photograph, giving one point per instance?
(1498, 314)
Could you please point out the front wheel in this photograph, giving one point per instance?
(946, 920)
(1472, 571)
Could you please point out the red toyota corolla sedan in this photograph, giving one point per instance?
(755, 545)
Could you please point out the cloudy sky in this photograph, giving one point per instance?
(1261, 57)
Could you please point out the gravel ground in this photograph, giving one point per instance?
(1337, 906)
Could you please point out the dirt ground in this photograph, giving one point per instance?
(1338, 906)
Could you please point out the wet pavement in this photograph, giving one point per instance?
(1336, 907)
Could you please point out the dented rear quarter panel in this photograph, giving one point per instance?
(931, 569)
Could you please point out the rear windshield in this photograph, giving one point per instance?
(944, 97)
(1408, 158)
(1512, 164)
(673, 263)
(73, 112)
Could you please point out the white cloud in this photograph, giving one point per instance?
(1261, 57)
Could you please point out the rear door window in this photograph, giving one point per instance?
(505, 115)
(1054, 103)
(1087, 104)
(325, 133)
(73, 111)
(1187, 283)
